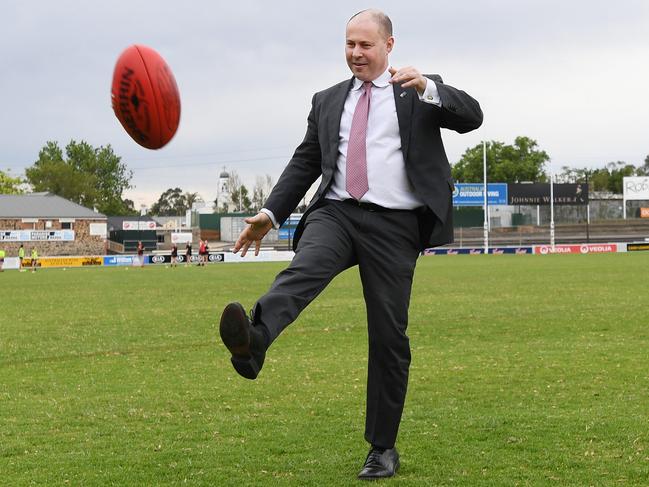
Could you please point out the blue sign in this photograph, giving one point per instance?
(479, 251)
(111, 260)
(286, 233)
(472, 194)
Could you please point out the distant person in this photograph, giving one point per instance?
(140, 253)
(188, 254)
(21, 257)
(174, 255)
(201, 253)
(207, 252)
(2, 260)
(34, 259)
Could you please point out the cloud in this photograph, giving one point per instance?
(572, 75)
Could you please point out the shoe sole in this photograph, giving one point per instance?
(234, 330)
(235, 334)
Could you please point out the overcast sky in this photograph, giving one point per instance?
(574, 75)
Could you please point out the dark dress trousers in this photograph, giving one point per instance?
(333, 236)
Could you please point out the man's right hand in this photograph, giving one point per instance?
(258, 227)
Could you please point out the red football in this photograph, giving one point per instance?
(145, 97)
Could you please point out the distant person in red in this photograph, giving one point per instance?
(174, 255)
(201, 253)
(140, 253)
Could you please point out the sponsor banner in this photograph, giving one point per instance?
(138, 225)
(480, 251)
(286, 233)
(635, 247)
(65, 261)
(264, 256)
(576, 249)
(475, 251)
(472, 194)
(181, 237)
(511, 250)
(36, 235)
(120, 260)
(11, 263)
(539, 194)
(644, 212)
(213, 257)
(636, 188)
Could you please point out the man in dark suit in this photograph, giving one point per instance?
(385, 195)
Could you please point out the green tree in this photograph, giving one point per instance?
(241, 199)
(189, 199)
(644, 169)
(92, 177)
(522, 161)
(617, 171)
(173, 202)
(261, 191)
(167, 203)
(608, 178)
(10, 185)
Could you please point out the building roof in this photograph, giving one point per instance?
(43, 205)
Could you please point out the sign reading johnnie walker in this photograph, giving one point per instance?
(539, 194)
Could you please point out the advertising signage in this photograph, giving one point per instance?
(576, 249)
(479, 251)
(37, 235)
(636, 188)
(472, 194)
(539, 194)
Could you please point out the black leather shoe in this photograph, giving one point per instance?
(379, 464)
(245, 343)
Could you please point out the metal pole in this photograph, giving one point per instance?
(486, 209)
(587, 211)
(551, 207)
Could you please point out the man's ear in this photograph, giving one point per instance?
(389, 44)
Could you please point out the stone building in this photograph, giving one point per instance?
(51, 224)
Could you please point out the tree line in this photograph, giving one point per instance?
(524, 161)
(97, 177)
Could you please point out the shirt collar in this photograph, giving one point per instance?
(380, 82)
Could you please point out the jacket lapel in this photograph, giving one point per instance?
(404, 99)
(337, 106)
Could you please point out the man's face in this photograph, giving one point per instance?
(367, 48)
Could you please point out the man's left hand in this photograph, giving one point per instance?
(408, 77)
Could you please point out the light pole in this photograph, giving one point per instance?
(587, 173)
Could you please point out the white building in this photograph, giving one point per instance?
(223, 196)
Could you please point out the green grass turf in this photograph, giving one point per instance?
(527, 370)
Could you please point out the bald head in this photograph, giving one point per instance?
(376, 16)
(368, 42)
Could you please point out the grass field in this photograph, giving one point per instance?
(527, 370)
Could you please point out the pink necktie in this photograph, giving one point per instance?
(356, 151)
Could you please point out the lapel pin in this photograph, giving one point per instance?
(403, 93)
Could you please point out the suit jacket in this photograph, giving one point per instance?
(425, 160)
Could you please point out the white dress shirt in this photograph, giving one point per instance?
(386, 171)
